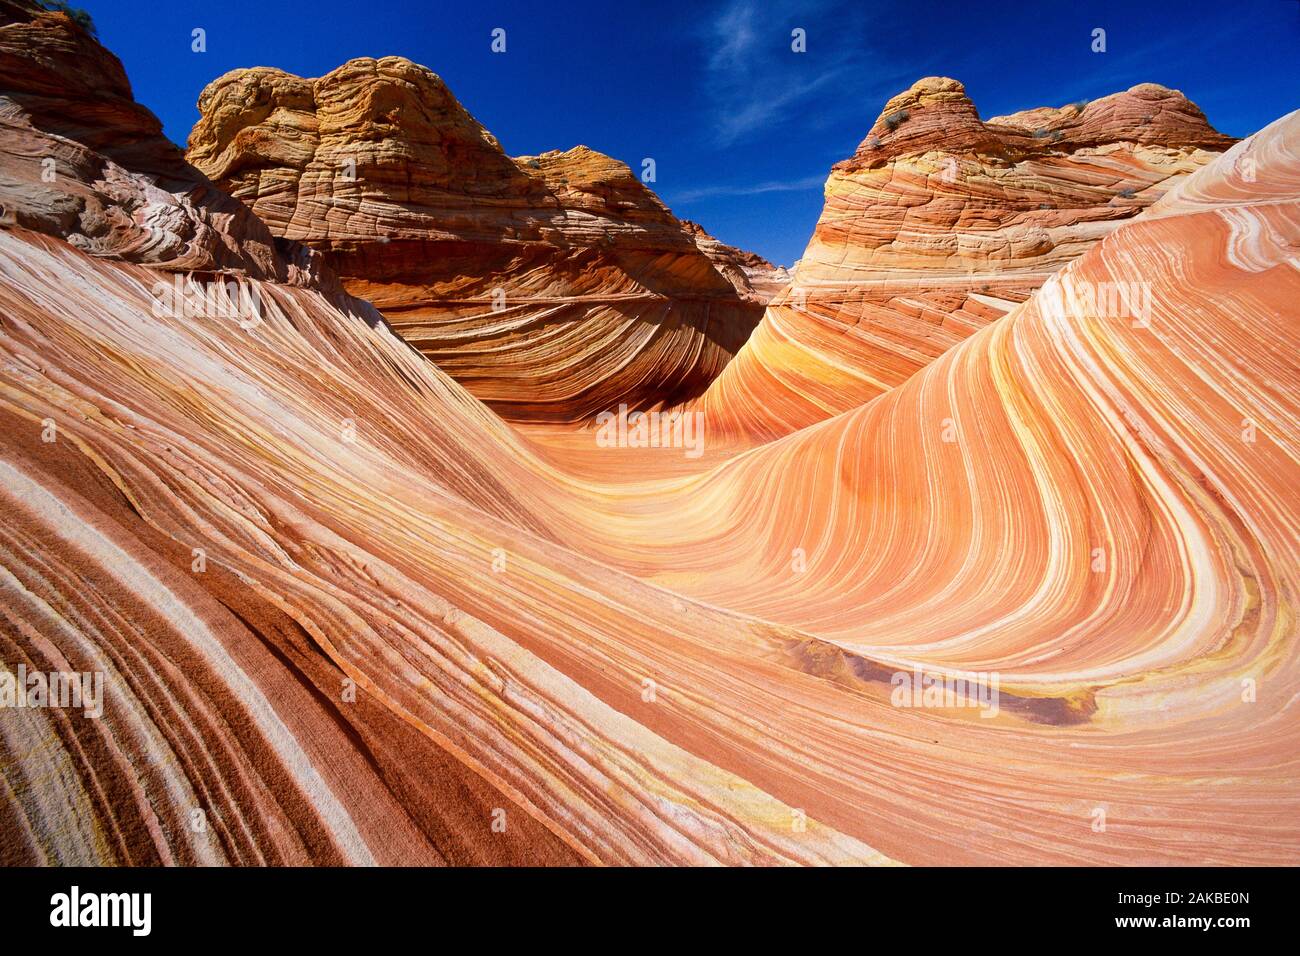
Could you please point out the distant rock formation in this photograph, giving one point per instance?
(938, 225)
(552, 286)
(752, 275)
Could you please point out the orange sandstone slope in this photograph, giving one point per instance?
(253, 533)
(218, 703)
(1093, 499)
(553, 287)
(938, 225)
(362, 519)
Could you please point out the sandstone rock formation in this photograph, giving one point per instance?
(752, 275)
(354, 549)
(551, 286)
(939, 224)
(189, 724)
(346, 614)
(84, 161)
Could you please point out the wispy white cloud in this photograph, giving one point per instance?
(755, 81)
(735, 37)
(709, 192)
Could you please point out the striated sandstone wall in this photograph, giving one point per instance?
(551, 286)
(938, 225)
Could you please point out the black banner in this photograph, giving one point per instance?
(336, 906)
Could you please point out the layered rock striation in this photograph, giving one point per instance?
(83, 161)
(752, 275)
(551, 286)
(344, 614)
(1098, 514)
(939, 224)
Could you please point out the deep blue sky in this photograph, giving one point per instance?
(743, 131)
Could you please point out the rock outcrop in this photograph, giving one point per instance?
(939, 224)
(1099, 515)
(553, 287)
(81, 160)
(753, 276)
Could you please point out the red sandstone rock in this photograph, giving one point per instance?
(751, 274)
(951, 525)
(409, 626)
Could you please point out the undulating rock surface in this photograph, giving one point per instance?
(939, 224)
(553, 287)
(344, 613)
